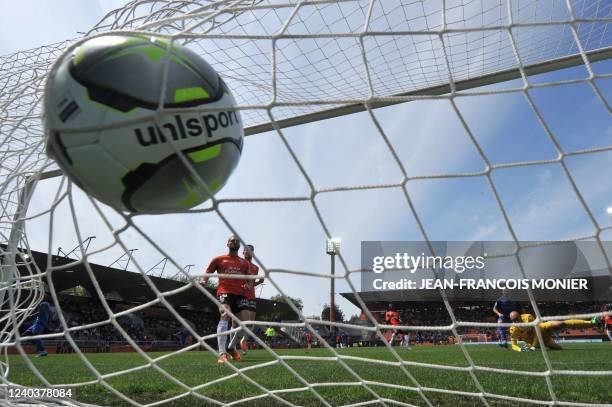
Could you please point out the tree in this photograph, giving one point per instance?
(354, 319)
(282, 298)
(211, 285)
(338, 314)
(78, 291)
(184, 278)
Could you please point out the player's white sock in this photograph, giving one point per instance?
(243, 334)
(234, 338)
(609, 333)
(392, 339)
(222, 327)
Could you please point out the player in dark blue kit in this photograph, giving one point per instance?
(502, 308)
(38, 327)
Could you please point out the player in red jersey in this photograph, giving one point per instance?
(392, 318)
(230, 292)
(309, 340)
(249, 313)
(608, 326)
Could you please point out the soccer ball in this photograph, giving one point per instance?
(141, 124)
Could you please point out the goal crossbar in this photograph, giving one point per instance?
(466, 84)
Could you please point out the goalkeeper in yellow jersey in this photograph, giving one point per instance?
(529, 336)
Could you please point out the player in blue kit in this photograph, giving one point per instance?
(38, 327)
(502, 308)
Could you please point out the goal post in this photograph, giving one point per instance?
(358, 73)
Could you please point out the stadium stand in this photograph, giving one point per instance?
(152, 328)
(434, 313)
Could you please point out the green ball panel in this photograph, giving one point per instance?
(169, 185)
(128, 73)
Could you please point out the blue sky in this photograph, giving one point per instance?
(429, 139)
(34, 23)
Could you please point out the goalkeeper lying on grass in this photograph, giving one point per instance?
(529, 336)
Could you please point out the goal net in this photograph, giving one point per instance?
(420, 120)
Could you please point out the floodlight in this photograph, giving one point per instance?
(333, 245)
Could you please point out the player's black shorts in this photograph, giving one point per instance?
(251, 305)
(236, 302)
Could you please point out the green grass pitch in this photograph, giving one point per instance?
(194, 368)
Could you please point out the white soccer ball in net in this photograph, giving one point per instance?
(141, 124)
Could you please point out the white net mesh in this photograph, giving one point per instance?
(497, 109)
